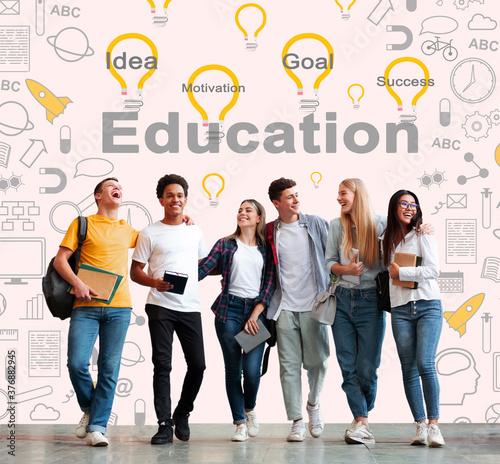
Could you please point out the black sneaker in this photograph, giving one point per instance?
(182, 431)
(163, 436)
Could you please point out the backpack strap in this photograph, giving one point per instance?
(265, 360)
(82, 235)
(270, 238)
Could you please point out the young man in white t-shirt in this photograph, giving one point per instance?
(299, 243)
(171, 245)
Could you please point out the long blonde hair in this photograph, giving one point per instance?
(362, 217)
(260, 232)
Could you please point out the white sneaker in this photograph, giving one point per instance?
(420, 437)
(252, 423)
(434, 437)
(96, 439)
(81, 428)
(298, 432)
(316, 422)
(241, 433)
(358, 433)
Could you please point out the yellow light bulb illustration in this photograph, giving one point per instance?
(214, 67)
(250, 46)
(308, 104)
(117, 76)
(356, 103)
(407, 118)
(214, 201)
(318, 180)
(159, 20)
(345, 15)
(497, 154)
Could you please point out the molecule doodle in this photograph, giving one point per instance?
(483, 172)
(426, 180)
(13, 181)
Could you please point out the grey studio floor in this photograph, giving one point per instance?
(465, 443)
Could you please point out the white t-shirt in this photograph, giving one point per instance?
(246, 271)
(172, 248)
(294, 256)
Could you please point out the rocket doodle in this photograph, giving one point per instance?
(54, 105)
(460, 317)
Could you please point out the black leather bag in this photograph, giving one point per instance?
(382, 282)
(55, 288)
(383, 294)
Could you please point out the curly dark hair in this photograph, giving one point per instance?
(277, 186)
(171, 179)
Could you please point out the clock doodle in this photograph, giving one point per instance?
(473, 80)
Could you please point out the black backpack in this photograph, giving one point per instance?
(55, 288)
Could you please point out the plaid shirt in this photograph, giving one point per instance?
(221, 257)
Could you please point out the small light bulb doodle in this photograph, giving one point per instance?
(316, 182)
(160, 21)
(345, 14)
(355, 104)
(250, 46)
(408, 118)
(483, 172)
(214, 201)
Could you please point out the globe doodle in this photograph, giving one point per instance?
(71, 44)
(14, 119)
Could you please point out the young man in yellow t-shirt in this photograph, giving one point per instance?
(106, 246)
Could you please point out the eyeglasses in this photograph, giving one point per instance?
(406, 205)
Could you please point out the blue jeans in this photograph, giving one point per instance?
(417, 327)
(358, 332)
(111, 325)
(237, 361)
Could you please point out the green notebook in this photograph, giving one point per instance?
(115, 284)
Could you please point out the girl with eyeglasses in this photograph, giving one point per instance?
(247, 268)
(416, 313)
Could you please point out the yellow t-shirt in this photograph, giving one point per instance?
(106, 246)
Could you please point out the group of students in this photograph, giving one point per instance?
(269, 273)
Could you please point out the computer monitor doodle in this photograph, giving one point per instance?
(22, 258)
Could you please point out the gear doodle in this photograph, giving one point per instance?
(494, 117)
(461, 4)
(476, 126)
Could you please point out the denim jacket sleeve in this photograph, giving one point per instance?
(333, 244)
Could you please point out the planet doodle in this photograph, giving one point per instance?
(131, 354)
(14, 119)
(71, 44)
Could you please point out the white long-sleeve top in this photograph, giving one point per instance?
(426, 274)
